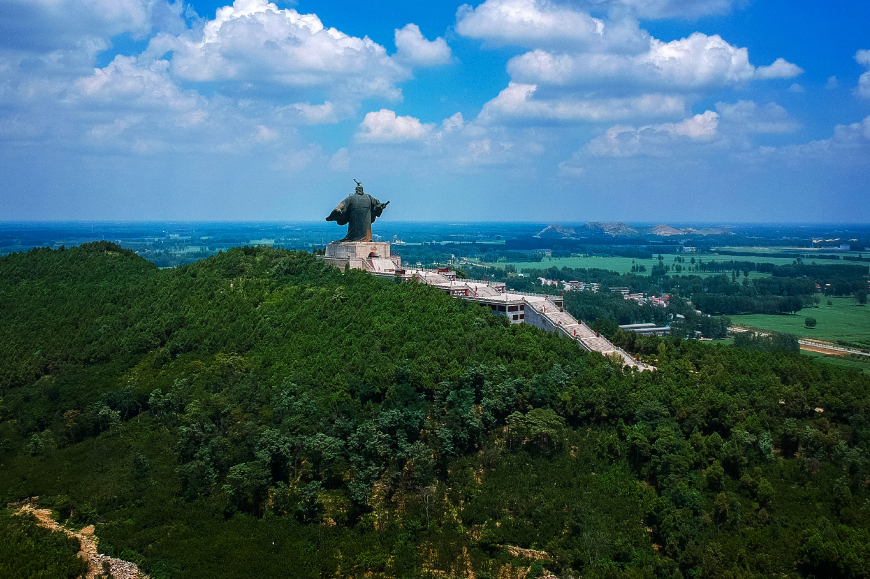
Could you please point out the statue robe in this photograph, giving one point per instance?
(358, 212)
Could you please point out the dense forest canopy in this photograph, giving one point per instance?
(259, 414)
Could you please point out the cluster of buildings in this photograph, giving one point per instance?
(580, 286)
(595, 287)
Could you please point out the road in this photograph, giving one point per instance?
(814, 345)
(826, 348)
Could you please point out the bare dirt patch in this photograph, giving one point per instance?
(97, 563)
(822, 350)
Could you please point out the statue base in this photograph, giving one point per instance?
(373, 256)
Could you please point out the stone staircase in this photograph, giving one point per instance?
(585, 336)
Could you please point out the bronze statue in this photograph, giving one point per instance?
(358, 212)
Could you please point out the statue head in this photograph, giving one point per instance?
(359, 188)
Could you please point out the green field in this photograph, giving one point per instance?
(801, 250)
(623, 264)
(842, 321)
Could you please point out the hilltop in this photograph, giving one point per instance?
(259, 414)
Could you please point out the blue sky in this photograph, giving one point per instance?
(558, 111)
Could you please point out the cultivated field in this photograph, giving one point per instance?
(841, 321)
(623, 264)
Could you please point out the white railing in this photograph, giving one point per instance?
(560, 328)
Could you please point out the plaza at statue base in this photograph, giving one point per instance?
(373, 256)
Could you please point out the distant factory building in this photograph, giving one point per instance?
(647, 329)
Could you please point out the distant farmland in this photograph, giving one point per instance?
(843, 321)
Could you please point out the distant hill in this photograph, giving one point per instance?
(619, 229)
(556, 232)
(612, 228)
(668, 231)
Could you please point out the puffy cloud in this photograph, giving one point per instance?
(517, 102)
(747, 116)
(724, 131)
(385, 127)
(340, 161)
(298, 160)
(488, 151)
(454, 123)
(544, 23)
(689, 63)
(654, 140)
(264, 134)
(863, 57)
(849, 143)
(46, 25)
(256, 43)
(317, 114)
(780, 68)
(414, 49)
(126, 84)
(571, 167)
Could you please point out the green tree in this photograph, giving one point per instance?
(246, 485)
(764, 492)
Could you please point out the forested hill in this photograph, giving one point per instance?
(259, 414)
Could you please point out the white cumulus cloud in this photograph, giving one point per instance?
(384, 126)
(255, 42)
(125, 83)
(414, 49)
(780, 68)
(544, 23)
(747, 116)
(654, 140)
(44, 25)
(340, 161)
(317, 114)
(849, 144)
(689, 63)
(517, 102)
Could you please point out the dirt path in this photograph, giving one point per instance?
(829, 348)
(821, 350)
(88, 541)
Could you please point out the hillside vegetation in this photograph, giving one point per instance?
(259, 414)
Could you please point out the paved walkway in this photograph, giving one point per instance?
(583, 334)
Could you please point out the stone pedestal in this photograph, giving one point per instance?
(366, 255)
